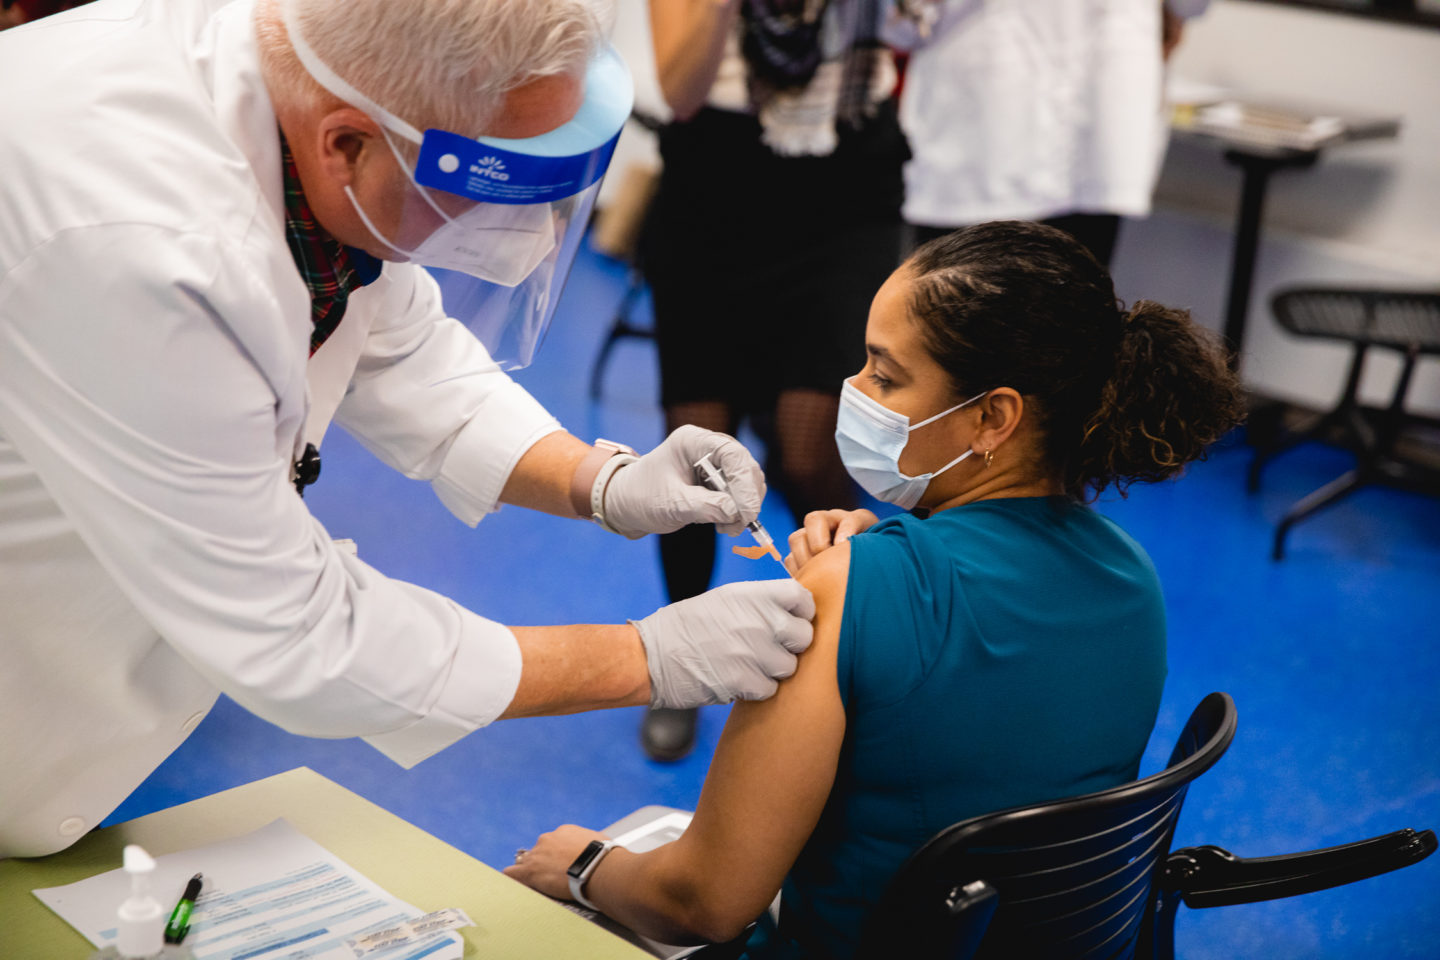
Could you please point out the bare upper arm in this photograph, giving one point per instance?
(689, 41)
(771, 774)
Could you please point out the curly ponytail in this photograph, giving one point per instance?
(1118, 397)
(1171, 395)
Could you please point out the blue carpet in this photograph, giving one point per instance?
(1332, 658)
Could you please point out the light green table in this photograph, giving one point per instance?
(512, 921)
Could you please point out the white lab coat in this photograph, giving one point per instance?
(154, 390)
(1027, 109)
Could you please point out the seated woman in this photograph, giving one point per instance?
(1001, 645)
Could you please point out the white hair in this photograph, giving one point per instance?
(433, 63)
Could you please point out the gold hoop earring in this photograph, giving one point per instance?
(989, 457)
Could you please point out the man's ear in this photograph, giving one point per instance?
(343, 137)
(1000, 413)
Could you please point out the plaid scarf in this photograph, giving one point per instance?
(331, 270)
(780, 41)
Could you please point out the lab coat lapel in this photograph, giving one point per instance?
(232, 68)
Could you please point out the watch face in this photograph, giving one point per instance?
(587, 856)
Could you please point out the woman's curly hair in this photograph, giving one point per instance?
(1119, 395)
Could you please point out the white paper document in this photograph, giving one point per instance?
(273, 894)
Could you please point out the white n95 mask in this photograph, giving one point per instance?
(871, 438)
(500, 243)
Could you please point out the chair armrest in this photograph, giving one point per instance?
(972, 905)
(1211, 877)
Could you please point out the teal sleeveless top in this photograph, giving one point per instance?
(996, 654)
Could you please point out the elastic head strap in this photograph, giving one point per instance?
(333, 82)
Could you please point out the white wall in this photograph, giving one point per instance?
(1367, 213)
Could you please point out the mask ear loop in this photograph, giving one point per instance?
(943, 413)
(424, 194)
(320, 71)
(936, 473)
(407, 254)
(946, 413)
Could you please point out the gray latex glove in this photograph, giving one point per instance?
(731, 643)
(659, 493)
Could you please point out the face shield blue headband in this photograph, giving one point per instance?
(510, 212)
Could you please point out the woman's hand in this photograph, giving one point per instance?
(824, 529)
(543, 866)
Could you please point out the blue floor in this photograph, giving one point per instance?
(1332, 657)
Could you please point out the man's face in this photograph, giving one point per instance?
(355, 151)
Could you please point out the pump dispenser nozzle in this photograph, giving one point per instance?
(142, 918)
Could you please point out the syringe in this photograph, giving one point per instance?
(709, 475)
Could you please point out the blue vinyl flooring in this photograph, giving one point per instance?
(1332, 657)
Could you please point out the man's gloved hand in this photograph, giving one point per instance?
(659, 492)
(731, 643)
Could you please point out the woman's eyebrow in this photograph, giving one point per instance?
(881, 353)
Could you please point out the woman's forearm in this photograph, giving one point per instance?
(660, 894)
(689, 38)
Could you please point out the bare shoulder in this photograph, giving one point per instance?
(827, 567)
(826, 574)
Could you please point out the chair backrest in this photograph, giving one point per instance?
(1399, 319)
(1075, 877)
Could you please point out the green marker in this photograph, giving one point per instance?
(179, 924)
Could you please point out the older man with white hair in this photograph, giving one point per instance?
(213, 218)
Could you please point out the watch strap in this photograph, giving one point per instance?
(578, 880)
(582, 482)
(608, 469)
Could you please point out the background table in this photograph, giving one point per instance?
(512, 921)
(1260, 150)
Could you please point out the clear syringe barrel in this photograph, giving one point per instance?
(711, 477)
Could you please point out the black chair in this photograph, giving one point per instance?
(1093, 876)
(1407, 322)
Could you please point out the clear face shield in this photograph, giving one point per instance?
(497, 221)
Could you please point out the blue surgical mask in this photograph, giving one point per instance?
(871, 438)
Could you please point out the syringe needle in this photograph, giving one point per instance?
(711, 477)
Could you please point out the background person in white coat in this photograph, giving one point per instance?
(191, 287)
(1048, 110)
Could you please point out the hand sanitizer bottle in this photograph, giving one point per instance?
(141, 917)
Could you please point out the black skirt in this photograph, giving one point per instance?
(762, 267)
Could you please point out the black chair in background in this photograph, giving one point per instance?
(1094, 876)
(1406, 322)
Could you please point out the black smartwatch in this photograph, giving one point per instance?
(583, 866)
